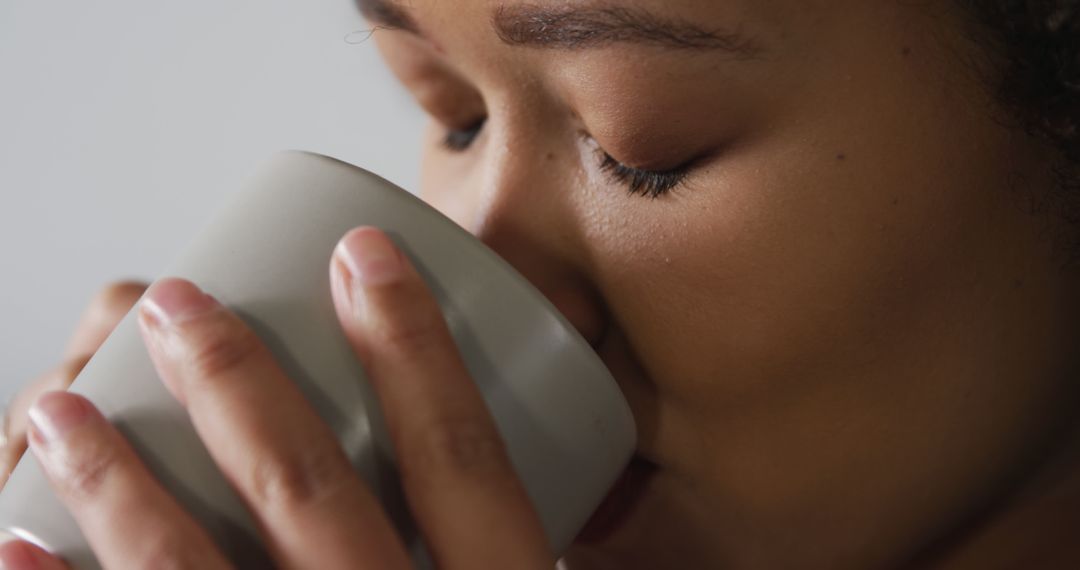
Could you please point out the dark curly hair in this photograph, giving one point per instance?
(1035, 54)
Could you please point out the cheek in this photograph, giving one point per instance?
(444, 176)
(796, 263)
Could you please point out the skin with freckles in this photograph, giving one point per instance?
(847, 340)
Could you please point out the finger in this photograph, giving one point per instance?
(105, 311)
(13, 427)
(281, 457)
(18, 555)
(461, 486)
(103, 314)
(127, 518)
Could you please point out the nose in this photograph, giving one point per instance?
(515, 200)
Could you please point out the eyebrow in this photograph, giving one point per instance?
(570, 28)
(387, 14)
(579, 28)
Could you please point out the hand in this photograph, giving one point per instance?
(312, 508)
(103, 314)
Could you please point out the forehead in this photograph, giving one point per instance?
(679, 24)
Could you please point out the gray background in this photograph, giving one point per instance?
(123, 123)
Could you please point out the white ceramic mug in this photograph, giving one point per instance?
(266, 255)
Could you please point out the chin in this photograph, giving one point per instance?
(652, 519)
(603, 543)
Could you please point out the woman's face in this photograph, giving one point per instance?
(796, 234)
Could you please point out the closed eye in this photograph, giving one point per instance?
(649, 183)
(459, 140)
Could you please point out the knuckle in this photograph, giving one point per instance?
(217, 344)
(116, 299)
(85, 472)
(301, 479)
(165, 552)
(9, 458)
(418, 334)
(466, 446)
(67, 372)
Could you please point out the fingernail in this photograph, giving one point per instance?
(172, 300)
(16, 555)
(370, 256)
(55, 414)
(346, 301)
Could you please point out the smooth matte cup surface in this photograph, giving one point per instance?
(266, 256)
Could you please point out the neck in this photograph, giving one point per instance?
(1033, 527)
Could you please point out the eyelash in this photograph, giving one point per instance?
(459, 140)
(648, 183)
